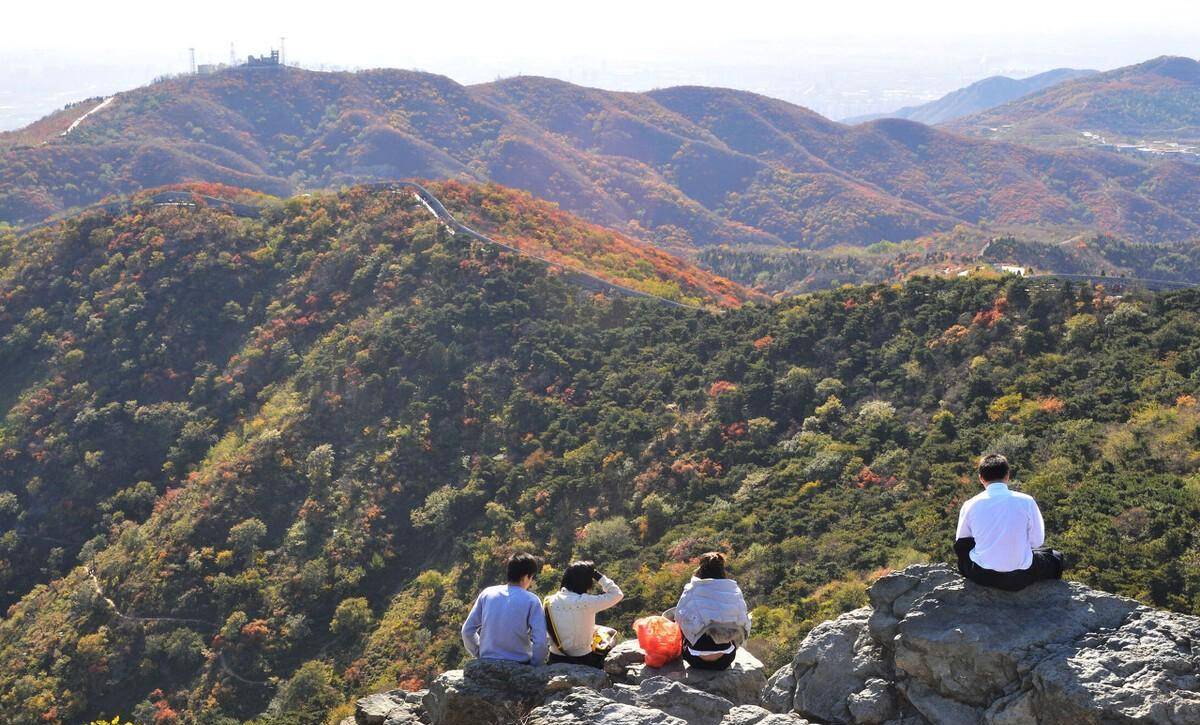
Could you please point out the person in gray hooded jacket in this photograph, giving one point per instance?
(712, 615)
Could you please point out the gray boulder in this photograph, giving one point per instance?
(755, 715)
(874, 704)
(387, 708)
(675, 698)
(972, 644)
(893, 595)
(780, 694)
(938, 649)
(495, 691)
(1145, 670)
(582, 706)
(833, 665)
(742, 684)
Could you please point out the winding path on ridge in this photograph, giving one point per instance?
(210, 626)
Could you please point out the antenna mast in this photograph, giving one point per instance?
(192, 54)
(281, 57)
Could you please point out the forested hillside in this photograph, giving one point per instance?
(684, 168)
(252, 467)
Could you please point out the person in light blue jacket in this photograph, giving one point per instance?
(507, 621)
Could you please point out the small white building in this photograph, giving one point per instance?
(1012, 269)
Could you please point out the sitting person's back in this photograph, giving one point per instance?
(1000, 534)
(571, 615)
(507, 621)
(712, 615)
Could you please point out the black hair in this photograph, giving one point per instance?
(993, 467)
(579, 576)
(522, 565)
(712, 566)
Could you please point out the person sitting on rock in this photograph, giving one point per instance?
(571, 616)
(1001, 532)
(507, 621)
(712, 615)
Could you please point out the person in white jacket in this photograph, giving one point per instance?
(712, 615)
(571, 616)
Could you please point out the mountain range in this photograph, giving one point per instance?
(262, 439)
(1154, 101)
(684, 168)
(977, 97)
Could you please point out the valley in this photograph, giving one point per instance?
(341, 407)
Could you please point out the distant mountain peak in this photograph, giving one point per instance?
(979, 96)
(1173, 66)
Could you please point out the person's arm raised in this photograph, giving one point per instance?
(611, 594)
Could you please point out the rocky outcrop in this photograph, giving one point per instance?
(395, 707)
(741, 684)
(496, 691)
(626, 691)
(930, 649)
(933, 648)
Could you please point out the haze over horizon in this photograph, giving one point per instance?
(841, 61)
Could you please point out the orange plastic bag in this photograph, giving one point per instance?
(660, 638)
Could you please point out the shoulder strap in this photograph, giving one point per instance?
(550, 624)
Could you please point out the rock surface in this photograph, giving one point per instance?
(741, 684)
(395, 707)
(675, 698)
(582, 705)
(933, 648)
(497, 691)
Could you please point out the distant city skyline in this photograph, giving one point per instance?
(844, 60)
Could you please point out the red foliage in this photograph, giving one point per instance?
(256, 630)
(734, 430)
(721, 386)
(989, 317)
(1051, 405)
(867, 478)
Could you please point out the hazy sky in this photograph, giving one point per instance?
(839, 57)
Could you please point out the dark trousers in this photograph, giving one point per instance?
(705, 644)
(1047, 564)
(591, 659)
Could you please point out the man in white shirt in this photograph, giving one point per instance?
(1001, 532)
